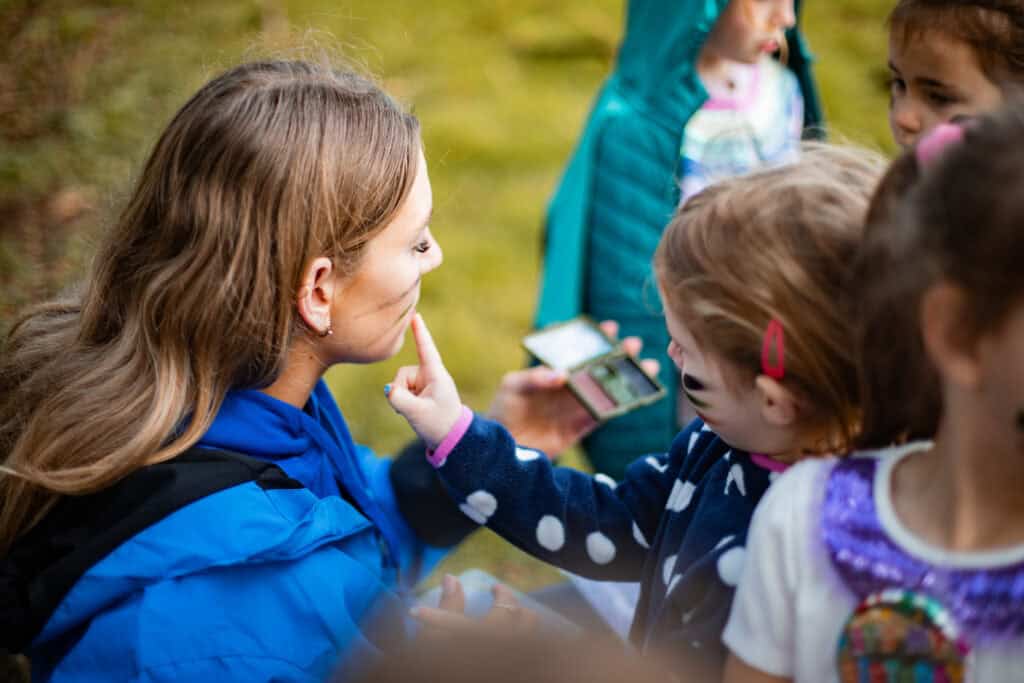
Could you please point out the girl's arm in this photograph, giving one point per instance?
(590, 525)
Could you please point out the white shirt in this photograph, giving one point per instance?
(791, 605)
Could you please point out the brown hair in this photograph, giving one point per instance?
(959, 220)
(778, 244)
(192, 292)
(994, 29)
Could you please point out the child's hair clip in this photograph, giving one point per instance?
(774, 336)
(936, 141)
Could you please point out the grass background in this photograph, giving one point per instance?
(502, 89)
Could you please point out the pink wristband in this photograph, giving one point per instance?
(437, 457)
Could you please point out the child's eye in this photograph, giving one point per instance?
(940, 99)
(896, 85)
(422, 247)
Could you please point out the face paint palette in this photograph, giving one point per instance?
(606, 380)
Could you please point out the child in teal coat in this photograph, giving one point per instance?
(686, 103)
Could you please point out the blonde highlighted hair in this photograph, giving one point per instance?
(193, 291)
(778, 245)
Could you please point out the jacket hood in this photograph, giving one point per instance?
(663, 39)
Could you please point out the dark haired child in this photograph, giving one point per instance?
(950, 59)
(907, 562)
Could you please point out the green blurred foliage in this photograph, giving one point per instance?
(502, 89)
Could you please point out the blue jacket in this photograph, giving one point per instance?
(620, 189)
(677, 523)
(283, 577)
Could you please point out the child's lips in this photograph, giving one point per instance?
(770, 46)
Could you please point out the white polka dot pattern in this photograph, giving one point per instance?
(479, 506)
(600, 548)
(550, 533)
(526, 454)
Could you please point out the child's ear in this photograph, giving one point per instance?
(316, 295)
(946, 341)
(778, 404)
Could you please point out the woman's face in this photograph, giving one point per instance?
(373, 307)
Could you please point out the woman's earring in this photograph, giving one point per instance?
(326, 332)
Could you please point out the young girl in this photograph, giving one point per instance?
(696, 96)
(907, 563)
(754, 273)
(951, 59)
(180, 497)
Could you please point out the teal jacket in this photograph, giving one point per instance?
(622, 177)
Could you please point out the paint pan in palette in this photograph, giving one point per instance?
(605, 379)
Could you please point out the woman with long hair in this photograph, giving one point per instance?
(180, 497)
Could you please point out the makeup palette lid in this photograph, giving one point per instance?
(568, 345)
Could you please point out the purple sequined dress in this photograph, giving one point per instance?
(986, 603)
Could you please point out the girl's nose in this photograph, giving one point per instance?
(787, 14)
(906, 121)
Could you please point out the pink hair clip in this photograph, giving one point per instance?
(773, 336)
(936, 141)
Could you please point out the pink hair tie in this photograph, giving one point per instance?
(774, 333)
(936, 141)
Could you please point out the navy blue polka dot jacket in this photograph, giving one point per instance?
(677, 523)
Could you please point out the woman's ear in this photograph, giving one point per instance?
(316, 295)
(779, 406)
(949, 345)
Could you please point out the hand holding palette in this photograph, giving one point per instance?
(606, 380)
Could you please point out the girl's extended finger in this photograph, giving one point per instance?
(425, 347)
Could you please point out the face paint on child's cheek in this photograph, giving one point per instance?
(695, 384)
(696, 402)
(692, 383)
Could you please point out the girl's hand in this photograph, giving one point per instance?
(425, 394)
